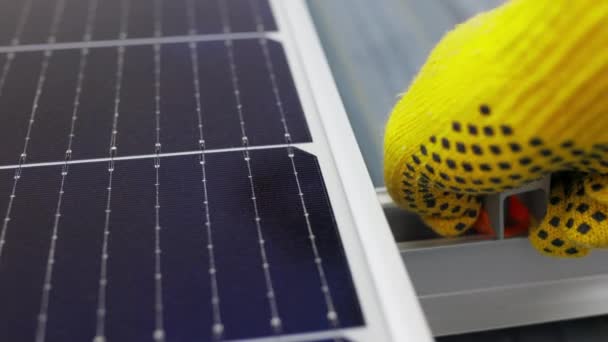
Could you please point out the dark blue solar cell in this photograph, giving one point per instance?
(183, 240)
(140, 19)
(179, 120)
(241, 18)
(23, 262)
(9, 10)
(94, 124)
(16, 104)
(107, 19)
(37, 26)
(136, 121)
(73, 24)
(174, 18)
(259, 104)
(54, 109)
(3, 65)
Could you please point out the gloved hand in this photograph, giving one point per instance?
(505, 98)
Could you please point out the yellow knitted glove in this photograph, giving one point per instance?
(505, 98)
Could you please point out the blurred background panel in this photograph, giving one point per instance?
(374, 49)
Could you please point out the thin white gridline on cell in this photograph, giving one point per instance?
(217, 327)
(159, 331)
(103, 274)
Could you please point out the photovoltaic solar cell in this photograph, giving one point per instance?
(106, 23)
(185, 260)
(136, 126)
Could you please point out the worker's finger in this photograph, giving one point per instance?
(455, 225)
(596, 187)
(550, 237)
(586, 216)
(421, 190)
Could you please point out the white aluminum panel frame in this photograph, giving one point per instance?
(390, 307)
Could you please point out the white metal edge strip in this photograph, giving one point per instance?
(400, 306)
(512, 262)
(521, 305)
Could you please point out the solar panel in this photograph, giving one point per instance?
(165, 176)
